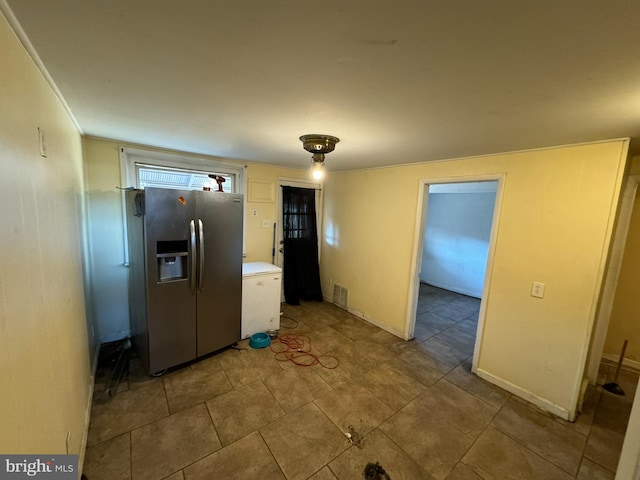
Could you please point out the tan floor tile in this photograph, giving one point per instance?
(295, 350)
(466, 304)
(295, 387)
(351, 367)
(583, 422)
(240, 412)
(289, 324)
(462, 377)
(560, 445)
(391, 386)
(136, 375)
(432, 442)
(591, 471)
(327, 340)
(176, 476)
(372, 352)
(294, 311)
(613, 412)
(462, 472)
(353, 406)
(318, 316)
(450, 347)
(354, 328)
(383, 337)
(330, 309)
(248, 458)
(457, 407)
(420, 367)
(604, 447)
(496, 456)
(454, 312)
(469, 325)
(109, 460)
(191, 386)
(246, 366)
(424, 434)
(170, 444)
(429, 324)
(127, 410)
(304, 441)
(376, 447)
(323, 474)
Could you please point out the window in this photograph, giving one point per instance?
(147, 168)
(183, 179)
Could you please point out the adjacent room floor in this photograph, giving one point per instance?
(412, 409)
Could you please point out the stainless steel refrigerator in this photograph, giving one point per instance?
(185, 273)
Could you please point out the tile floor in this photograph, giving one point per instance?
(412, 407)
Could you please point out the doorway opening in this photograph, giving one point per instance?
(617, 321)
(454, 249)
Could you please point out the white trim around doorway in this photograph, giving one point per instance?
(418, 241)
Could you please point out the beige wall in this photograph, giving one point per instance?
(44, 351)
(555, 226)
(261, 178)
(625, 315)
(108, 273)
(109, 281)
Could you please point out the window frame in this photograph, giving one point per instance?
(131, 157)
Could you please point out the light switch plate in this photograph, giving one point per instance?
(42, 143)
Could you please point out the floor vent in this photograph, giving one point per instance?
(340, 295)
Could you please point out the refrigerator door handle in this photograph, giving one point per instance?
(200, 255)
(192, 256)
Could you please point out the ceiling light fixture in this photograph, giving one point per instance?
(319, 146)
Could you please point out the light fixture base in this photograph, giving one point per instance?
(316, 143)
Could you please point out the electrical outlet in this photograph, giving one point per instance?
(537, 289)
(266, 223)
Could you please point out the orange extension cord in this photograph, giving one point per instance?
(297, 349)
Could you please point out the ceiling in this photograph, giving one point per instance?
(398, 81)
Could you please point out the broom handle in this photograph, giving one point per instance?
(624, 349)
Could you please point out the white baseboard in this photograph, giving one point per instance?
(612, 357)
(370, 320)
(527, 395)
(87, 414)
(378, 324)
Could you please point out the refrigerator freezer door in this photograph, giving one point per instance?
(171, 306)
(219, 301)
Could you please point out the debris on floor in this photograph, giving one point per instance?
(373, 471)
(114, 362)
(297, 350)
(354, 437)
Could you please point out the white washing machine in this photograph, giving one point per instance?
(261, 285)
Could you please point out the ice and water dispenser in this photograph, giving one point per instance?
(172, 257)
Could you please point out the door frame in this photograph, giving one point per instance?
(279, 234)
(619, 242)
(418, 242)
